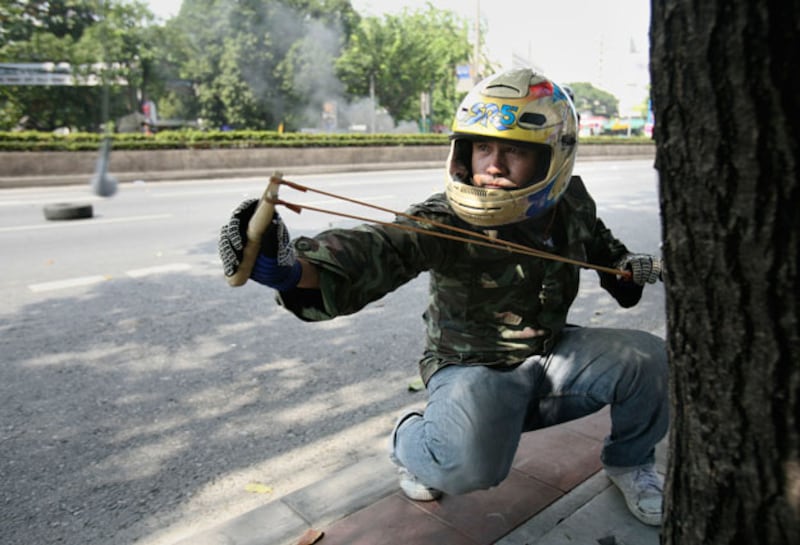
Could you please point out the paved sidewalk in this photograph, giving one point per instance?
(556, 494)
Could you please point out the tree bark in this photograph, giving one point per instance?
(727, 113)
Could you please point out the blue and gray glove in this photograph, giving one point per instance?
(276, 265)
(645, 269)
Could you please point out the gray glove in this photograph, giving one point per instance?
(233, 235)
(276, 265)
(645, 269)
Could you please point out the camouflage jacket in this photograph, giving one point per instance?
(487, 306)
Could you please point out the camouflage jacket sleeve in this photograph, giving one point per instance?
(360, 265)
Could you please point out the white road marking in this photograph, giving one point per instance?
(87, 221)
(173, 267)
(70, 283)
(97, 279)
(46, 200)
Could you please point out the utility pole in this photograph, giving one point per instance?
(372, 104)
(476, 55)
(102, 183)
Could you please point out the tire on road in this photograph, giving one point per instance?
(67, 211)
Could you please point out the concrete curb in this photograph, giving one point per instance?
(16, 182)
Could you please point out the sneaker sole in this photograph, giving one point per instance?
(419, 493)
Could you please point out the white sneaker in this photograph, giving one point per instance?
(643, 490)
(415, 489)
(412, 487)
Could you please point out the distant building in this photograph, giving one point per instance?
(592, 125)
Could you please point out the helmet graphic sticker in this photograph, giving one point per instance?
(500, 117)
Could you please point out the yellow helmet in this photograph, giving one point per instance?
(521, 106)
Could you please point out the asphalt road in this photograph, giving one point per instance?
(143, 399)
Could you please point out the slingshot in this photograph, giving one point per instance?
(453, 232)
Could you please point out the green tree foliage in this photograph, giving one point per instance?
(24, 20)
(589, 98)
(122, 38)
(79, 32)
(258, 63)
(247, 64)
(405, 55)
(39, 32)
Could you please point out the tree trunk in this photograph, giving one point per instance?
(727, 113)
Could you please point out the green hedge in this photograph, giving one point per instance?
(195, 139)
(191, 139)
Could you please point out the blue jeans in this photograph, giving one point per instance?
(475, 415)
